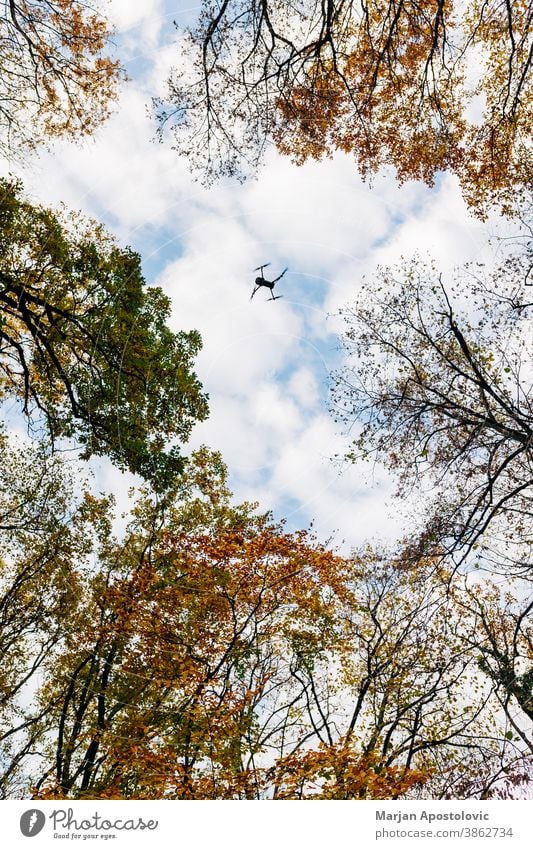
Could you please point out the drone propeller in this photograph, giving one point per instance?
(260, 267)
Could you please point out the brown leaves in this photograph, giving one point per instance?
(435, 376)
(401, 97)
(424, 87)
(340, 772)
(56, 80)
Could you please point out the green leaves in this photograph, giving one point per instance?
(86, 346)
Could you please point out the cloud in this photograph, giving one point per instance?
(264, 364)
(145, 19)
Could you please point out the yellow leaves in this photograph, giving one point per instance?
(340, 772)
(55, 78)
(400, 95)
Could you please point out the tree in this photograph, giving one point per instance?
(437, 380)
(42, 533)
(389, 82)
(255, 666)
(180, 686)
(55, 79)
(501, 631)
(496, 628)
(402, 692)
(84, 343)
(208, 653)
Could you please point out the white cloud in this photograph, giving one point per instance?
(303, 385)
(264, 363)
(126, 15)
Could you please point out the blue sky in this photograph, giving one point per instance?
(265, 365)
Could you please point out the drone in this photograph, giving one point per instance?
(269, 284)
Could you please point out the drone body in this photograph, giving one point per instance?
(268, 284)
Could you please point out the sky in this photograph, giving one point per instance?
(265, 365)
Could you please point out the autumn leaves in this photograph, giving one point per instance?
(56, 79)
(85, 344)
(423, 86)
(437, 386)
(206, 653)
(194, 649)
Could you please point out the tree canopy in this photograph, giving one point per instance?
(55, 79)
(41, 536)
(84, 343)
(437, 378)
(423, 86)
(206, 652)
(193, 647)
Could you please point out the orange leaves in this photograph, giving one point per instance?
(422, 86)
(340, 772)
(391, 99)
(54, 74)
(186, 648)
(309, 115)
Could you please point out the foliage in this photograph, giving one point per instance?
(180, 681)
(502, 632)
(437, 379)
(391, 82)
(55, 78)
(337, 772)
(209, 654)
(205, 652)
(85, 344)
(41, 537)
